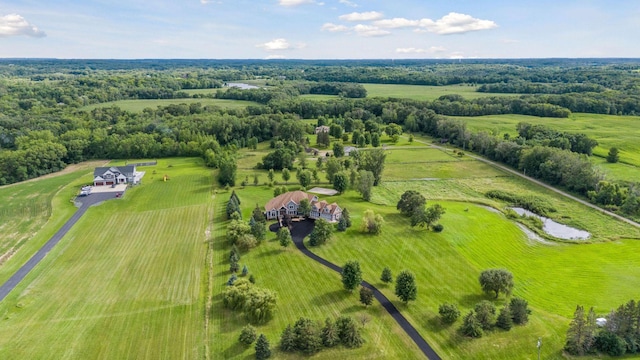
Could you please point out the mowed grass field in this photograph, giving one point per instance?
(127, 282)
(139, 105)
(425, 93)
(609, 130)
(304, 289)
(32, 211)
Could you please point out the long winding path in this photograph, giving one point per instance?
(87, 202)
(302, 229)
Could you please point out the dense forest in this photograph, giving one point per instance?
(43, 126)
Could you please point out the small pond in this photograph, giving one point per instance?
(242, 86)
(555, 229)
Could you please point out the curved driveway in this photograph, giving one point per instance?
(302, 229)
(86, 202)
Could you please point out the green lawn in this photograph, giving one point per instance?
(32, 211)
(553, 278)
(304, 288)
(422, 92)
(609, 130)
(127, 282)
(139, 105)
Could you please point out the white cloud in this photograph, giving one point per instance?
(412, 50)
(396, 23)
(331, 27)
(364, 16)
(275, 57)
(456, 23)
(294, 2)
(348, 3)
(276, 44)
(370, 31)
(205, 2)
(16, 25)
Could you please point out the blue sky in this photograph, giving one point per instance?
(319, 29)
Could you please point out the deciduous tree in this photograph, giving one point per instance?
(449, 313)
(322, 232)
(387, 276)
(406, 288)
(351, 275)
(496, 281)
(365, 183)
(366, 296)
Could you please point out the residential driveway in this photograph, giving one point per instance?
(85, 203)
(302, 229)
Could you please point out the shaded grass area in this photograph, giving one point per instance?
(304, 288)
(139, 105)
(425, 93)
(608, 130)
(124, 283)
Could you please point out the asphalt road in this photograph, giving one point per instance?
(87, 202)
(301, 229)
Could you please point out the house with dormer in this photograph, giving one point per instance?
(289, 203)
(114, 175)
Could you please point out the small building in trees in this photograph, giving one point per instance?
(322, 129)
(288, 204)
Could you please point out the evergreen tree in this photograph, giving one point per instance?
(234, 267)
(519, 310)
(348, 332)
(330, 334)
(613, 156)
(351, 275)
(307, 335)
(271, 175)
(576, 333)
(258, 230)
(263, 349)
(256, 179)
(504, 321)
(342, 224)
(245, 270)
(471, 326)
(387, 276)
(288, 340)
(345, 214)
(406, 288)
(258, 215)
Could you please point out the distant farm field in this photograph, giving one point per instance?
(609, 130)
(423, 92)
(139, 105)
(126, 282)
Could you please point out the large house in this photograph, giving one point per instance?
(322, 129)
(288, 204)
(114, 175)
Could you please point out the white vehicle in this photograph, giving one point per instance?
(85, 191)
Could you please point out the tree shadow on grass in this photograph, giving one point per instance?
(235, 350)
(330, 297)
(435, 324)
(269, 253)
(470, 300)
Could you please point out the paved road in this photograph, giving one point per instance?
(302, 229)
(87, 202)
(557, 191)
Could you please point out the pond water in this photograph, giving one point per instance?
(242, 86)
(555, 229)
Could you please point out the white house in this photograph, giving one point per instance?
(114, 175)
(322, 129)
(288, 204)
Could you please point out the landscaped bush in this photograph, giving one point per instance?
(248, 335)
(449, 313)
(438, 228)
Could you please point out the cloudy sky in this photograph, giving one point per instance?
(319, 29)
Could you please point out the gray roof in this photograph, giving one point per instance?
(126, 170)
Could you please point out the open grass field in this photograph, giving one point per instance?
(32, 211)
(553, 278)
(125, 283)
(304, 288)
(422, 92)
(609, 130)
(139, 105)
